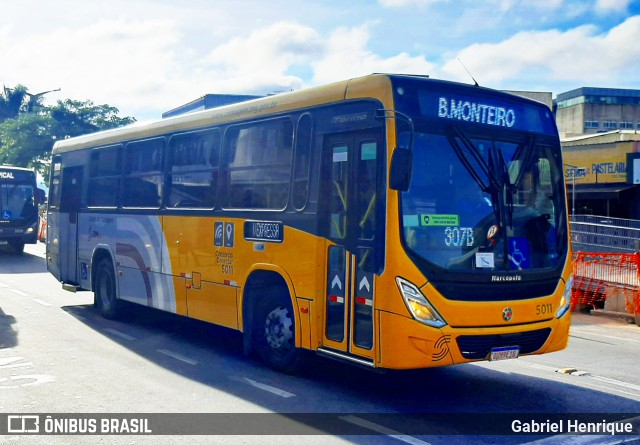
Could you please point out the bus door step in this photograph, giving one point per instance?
(70, 287)
(343, 356)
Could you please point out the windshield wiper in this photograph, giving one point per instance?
(492, 184)
(501, 172)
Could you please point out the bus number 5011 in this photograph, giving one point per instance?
(226, 269)
(544, 309)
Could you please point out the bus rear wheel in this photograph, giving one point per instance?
(105, 290)
(274, 333)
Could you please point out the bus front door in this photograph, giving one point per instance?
(351, 216)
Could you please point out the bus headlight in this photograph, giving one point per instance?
(565, 301)
(418, 305)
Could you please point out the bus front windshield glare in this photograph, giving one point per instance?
(484, 202)
(16, 201)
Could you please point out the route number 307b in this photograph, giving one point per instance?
(458, 236)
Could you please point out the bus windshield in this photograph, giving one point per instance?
(484, 201)
(17, 201)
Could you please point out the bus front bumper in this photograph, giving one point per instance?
(408, 344)
(18, 236)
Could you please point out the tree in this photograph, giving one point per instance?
(28, 129)
(12, 102)
(26, 141)
(74, 118)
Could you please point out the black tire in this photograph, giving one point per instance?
(275, 333)
(105, 290)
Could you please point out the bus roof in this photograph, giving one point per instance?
(228, 113)
(371, 86)
(12, 167)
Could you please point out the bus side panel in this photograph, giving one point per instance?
(215, 257)
(137, 242)
(211, 293)
(215, 303)
(53, 244)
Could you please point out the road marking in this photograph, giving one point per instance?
(177, 356)
(6, 363)
(621, 339)
(38, 379)
(564, 439)
(579, 440)
(570, 371)
(271, 389)
(18, 292)
(383, 430)
(119, 334)
(591, 339)
(616, 382)
(44, 303)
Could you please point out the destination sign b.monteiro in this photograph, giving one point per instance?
(466, 110)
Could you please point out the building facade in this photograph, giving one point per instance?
(590, 110)
(208, 101)
(602, 172)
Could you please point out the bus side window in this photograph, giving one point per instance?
(143, 173)
(193, 170)
(71, 190)
(259, 158)
(302, 163)
(104, 177)
(54, 186)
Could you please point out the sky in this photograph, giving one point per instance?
(145, 57)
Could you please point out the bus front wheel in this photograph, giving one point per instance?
(274, 333)
(105, 290)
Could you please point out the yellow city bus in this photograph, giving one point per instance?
(391, 221)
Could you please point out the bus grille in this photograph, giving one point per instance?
(479, 346)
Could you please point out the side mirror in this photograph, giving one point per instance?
(401, 168)
(40, 196)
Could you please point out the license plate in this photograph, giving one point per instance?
(504, 353)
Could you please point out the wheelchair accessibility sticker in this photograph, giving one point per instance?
(519, 253)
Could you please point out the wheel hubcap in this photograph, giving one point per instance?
(278, 329)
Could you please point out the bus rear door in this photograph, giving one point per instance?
(350, 214)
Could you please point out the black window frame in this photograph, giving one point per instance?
(301, 176)
(137, 180)
(102, 182)
(255, 194)
(212, 167)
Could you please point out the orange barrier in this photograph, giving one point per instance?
(608, 281)
(42, 232)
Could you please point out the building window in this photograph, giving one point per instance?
(591, 124)
(610, 125)
(626, 125)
